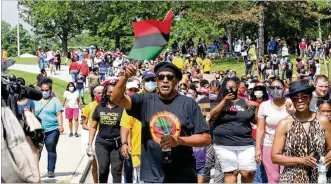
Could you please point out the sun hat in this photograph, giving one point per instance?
(300, 86)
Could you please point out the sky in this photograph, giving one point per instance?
(9, 13)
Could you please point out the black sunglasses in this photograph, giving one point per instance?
(150, 79)
(169, 77)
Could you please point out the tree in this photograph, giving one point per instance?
(9, 40)
(63, 19)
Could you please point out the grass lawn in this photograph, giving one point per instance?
(231, 63)
(59, 86)
(31, 61)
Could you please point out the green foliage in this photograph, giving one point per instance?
(9, 40)
(62, 19)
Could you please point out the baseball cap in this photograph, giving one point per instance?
(251, 85)
(132, 84)
(148, 74)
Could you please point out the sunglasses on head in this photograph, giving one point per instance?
(150, 79)
(302, 97)
(162, 77)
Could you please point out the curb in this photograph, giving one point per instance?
(81, 171)
(86, 171)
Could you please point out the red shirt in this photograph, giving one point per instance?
(302, 45)
(83, 69)
(74, 66)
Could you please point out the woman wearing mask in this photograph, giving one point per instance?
(49, 110)
(232, 134)
(107, 117)
(270, 113)
(211, 159)
(242, 91)
(192, 92)
(72, 104)
(301, 138)
(148, 81)
(87, 123)
(183, 88)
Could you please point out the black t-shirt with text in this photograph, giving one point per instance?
(249, 63)
(233, 126)
(109, 121)
(182, 117)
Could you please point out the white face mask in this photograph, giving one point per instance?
(258, 94)
(71, 89)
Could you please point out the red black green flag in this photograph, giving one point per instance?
(151, 36)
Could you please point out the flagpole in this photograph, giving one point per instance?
(18, 31)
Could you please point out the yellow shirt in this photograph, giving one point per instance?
(178, 61)
(187, 63)
(4, 54)
(88, 112)
(199, 61)
(135, 126)
(206, 65)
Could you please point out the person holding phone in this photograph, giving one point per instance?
(232, 134)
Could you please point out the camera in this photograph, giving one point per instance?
(228, 91)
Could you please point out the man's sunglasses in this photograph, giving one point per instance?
(169, 77)
(302, 97)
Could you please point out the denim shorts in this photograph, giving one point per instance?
(201, 171)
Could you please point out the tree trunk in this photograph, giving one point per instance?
(64, 46)
(228, 34)
(117, 41)
(260, 52)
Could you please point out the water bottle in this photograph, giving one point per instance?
(322, 169)
(166, 153)
(90, 155)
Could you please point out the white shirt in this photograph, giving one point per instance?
(272, 115)
(318, 69)
(71, 99)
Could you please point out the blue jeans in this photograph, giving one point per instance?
(102, 76)
(41, 64)
(74, 76)
(128, 168)
(51, 140)
(260, 174)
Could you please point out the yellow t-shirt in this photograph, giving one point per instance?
(199, 61)
(206, 65)
(88, 112)
(135, 126)
(178, 61)
(187, 64)
(4, 54)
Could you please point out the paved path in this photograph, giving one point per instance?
(62, 75)
(71, 157)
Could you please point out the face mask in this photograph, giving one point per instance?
(189, 95)
(130, 93)
(150, 86)
(276, 94)
(258, 94)
(213, 97)
(183, 91)
(242, 91)
(98, 98)
(46, 94)
(71, 89)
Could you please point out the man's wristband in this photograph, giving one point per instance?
(124, 143)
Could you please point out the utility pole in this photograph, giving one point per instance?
(18, 31)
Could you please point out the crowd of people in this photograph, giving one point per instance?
(150, 120)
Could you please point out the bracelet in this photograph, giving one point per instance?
(124, 143)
